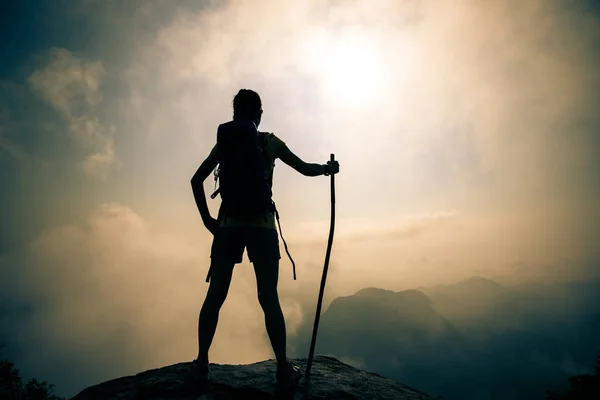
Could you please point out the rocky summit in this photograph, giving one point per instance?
(329, 379)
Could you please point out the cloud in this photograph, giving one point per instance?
(114, 294)
(103, 159)
(26, 161)
(16, 118)
(349, 231)
(411, 226)
(71, 85)
(68, 83)
(468, 117)
(486, 107)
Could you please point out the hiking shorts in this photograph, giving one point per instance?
(229, 244)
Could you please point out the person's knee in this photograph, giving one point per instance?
(268, 299)
(216, 297)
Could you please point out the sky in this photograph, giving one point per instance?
(467, 134)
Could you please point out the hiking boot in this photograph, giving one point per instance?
(287, 377)
(199, 373)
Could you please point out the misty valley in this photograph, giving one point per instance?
(475, 339)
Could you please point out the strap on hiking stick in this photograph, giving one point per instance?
(324, 277)
(284, 243)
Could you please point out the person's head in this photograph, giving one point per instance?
(247, 105)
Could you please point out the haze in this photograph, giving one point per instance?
(466, 131)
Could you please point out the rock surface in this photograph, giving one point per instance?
(329, 379)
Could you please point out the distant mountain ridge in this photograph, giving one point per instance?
(469, 340)
(382, 330)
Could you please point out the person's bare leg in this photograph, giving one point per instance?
(220, 279)
(267, 275)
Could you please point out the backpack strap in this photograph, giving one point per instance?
(284, 243)
(264, 139)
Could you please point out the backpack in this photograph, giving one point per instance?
(244, 185)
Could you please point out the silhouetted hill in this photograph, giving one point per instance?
(475, 339)
(329, 379)
(581, 387)
(384, 331)
(407, 314)
(480, 307)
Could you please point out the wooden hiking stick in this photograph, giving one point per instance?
(324, 277)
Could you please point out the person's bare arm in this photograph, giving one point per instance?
(304, 168)
(203, 172)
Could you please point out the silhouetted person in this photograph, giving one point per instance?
(255, 232)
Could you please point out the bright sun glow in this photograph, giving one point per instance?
(349, 66)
